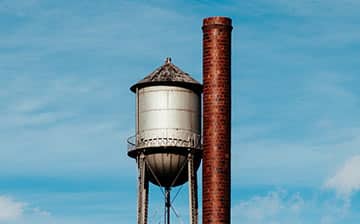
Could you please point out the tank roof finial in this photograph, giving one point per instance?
(168, 60)
(168, 74)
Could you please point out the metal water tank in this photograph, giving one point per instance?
(168, 124)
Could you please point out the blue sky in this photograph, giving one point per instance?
(66, 109)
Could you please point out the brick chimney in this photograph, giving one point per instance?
(216, 119)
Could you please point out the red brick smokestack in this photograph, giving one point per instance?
(216, 119)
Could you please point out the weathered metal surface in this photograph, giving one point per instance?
(168, 118)
(168, 107)
(168, 74)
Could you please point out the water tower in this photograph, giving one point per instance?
(167, 143)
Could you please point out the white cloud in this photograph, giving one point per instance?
(271, 208)
(282, 207)
(18, 212)
(10, 209)
(40, 212)
(346, 179)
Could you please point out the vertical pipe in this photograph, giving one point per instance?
(216, 119)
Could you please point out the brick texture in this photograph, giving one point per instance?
(216, 119)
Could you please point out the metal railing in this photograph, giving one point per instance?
(164, 138)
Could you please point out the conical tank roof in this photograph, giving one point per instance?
(169, 74)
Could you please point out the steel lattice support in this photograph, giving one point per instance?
(193, 197)
(167, 205)
(143, 190)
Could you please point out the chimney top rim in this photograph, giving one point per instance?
(217, 20)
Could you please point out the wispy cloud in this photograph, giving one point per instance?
(17, 212)
(10, 209)
(65, 78)
(271, 208)
(47, 121)
(66, 68)
(303, 129)
(346, 180)
(54, 34)
(74, 207)
(281, 206)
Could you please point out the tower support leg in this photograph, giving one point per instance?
(167, 205)
(193, 197)
(143, 190)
